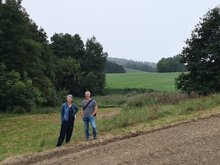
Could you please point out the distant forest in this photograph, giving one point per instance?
(171, 64)
(112, 67)
(143, 66)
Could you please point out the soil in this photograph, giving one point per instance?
(191, 143)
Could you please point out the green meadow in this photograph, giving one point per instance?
(139, 79)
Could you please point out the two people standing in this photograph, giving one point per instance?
(68, 114)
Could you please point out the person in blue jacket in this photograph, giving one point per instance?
(68, 113)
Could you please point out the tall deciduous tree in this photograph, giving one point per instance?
(31, 67)
(66, 45)
(24, 48)
(95, 58)
(89, 59)
(202, 57)
(67, 75)
(93, 65)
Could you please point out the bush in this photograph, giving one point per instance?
(16, 93)
(16, 109)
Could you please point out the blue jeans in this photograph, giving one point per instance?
(86, 121)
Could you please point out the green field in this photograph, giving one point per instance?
(128, 70)
(139, 79)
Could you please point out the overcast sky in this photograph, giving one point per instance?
(143, 30)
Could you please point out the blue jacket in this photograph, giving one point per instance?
(65, 111)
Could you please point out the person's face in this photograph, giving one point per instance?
(69, 99)
(87, 95)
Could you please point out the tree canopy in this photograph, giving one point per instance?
(82, 60)
(171, 64)
(34, 71)
(24, 50)
(201, 57)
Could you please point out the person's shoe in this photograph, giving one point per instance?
(95, 138)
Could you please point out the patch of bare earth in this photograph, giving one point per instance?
(196, 142)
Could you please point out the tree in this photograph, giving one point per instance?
(34, 71)
(17, 94)
(24, 48)
(89, 61)
(93, 65)
(202, 57)
(171, 64)
(66, 45)
(67, 75)
(93, 81)
(95, 58)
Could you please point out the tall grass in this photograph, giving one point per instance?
(151, 110)
(111, 101)
(148, 99)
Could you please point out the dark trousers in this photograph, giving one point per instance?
(65, 132)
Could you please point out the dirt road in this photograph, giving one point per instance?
(191, 143)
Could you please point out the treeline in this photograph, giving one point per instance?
(34, 71)
(171, 64)
(143, 66)
(112, 67)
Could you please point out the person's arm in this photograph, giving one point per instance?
(75, 108)
(62, 113)
(81, 111)
(95, 110)
(81, 108)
